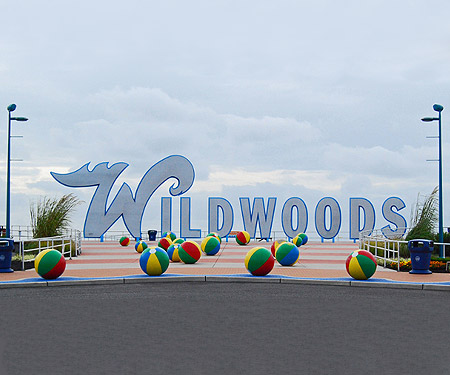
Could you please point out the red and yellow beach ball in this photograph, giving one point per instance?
(189, 252)
(124, 241)
(361, 265)
(164, 243)
(259, 261)
(50, 264)
(243, 238)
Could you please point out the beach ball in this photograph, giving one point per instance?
(164, 243)
(178, 240)
(361, 265)
(297, 240)
(169, 234)
(243, 238)
(50, 264)
(189, 252)
(287, 254)
(214, 234)
(304, 238)
(210, 245)
(172, 252)
(259, 261)
(274, 246)
(154, 261)
(124, 241)
(140, 246)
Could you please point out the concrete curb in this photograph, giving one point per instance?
(392, 285)
(316, 282)
(140, 279)
(105, 281)
(242, 279)
(164, 279)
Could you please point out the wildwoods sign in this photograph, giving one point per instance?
(258, 214)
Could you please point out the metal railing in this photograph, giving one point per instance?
(68, 245)
(386, 249)
(375, 242)
(115, 235)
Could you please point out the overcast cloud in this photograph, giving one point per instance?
(286, 98)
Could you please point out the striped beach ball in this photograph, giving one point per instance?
(243, 238)
(361, 265)
(50, 264)
(178, 240)
(164, 243)
(189, 252)
(214, 234)
(169, 234)
(140, 246)
(304, 238)
(172, 252)
(124, 241)
(154, 261)
(274, 246)
(259, 261)
(287, 254)
(210, 245)
(297, 240)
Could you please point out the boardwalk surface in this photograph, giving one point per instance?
(317, 260)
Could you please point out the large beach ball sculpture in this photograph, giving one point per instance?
(210, 245)
(304, 238)
(154, 261)
(361, 265)
(50, 264)
(164, 243)
(243, 238)
(287, 254)
(172, 252)
(274, 247)
(297, 240)
(214, 234)
(189, 252)
(259, 261)
(169, 234)
(178, 240)
(124, 241)
(140, 246)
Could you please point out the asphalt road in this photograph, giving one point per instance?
(223, 328)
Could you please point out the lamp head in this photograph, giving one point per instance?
(11, 107)
(438, 108)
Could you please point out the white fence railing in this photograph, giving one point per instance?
(375, 242)
(69, 245)
(387, 249)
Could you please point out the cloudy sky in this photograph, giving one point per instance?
(287, 98)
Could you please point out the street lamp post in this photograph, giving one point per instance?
(10, 108)
(438, 108)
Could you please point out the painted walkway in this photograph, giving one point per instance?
(321, 262)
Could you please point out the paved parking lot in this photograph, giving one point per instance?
(223, 328)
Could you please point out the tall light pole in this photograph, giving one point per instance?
(10, 108)
(438, 108)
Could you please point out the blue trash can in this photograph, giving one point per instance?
(6, 248)
(152, 235)
(420, 251)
